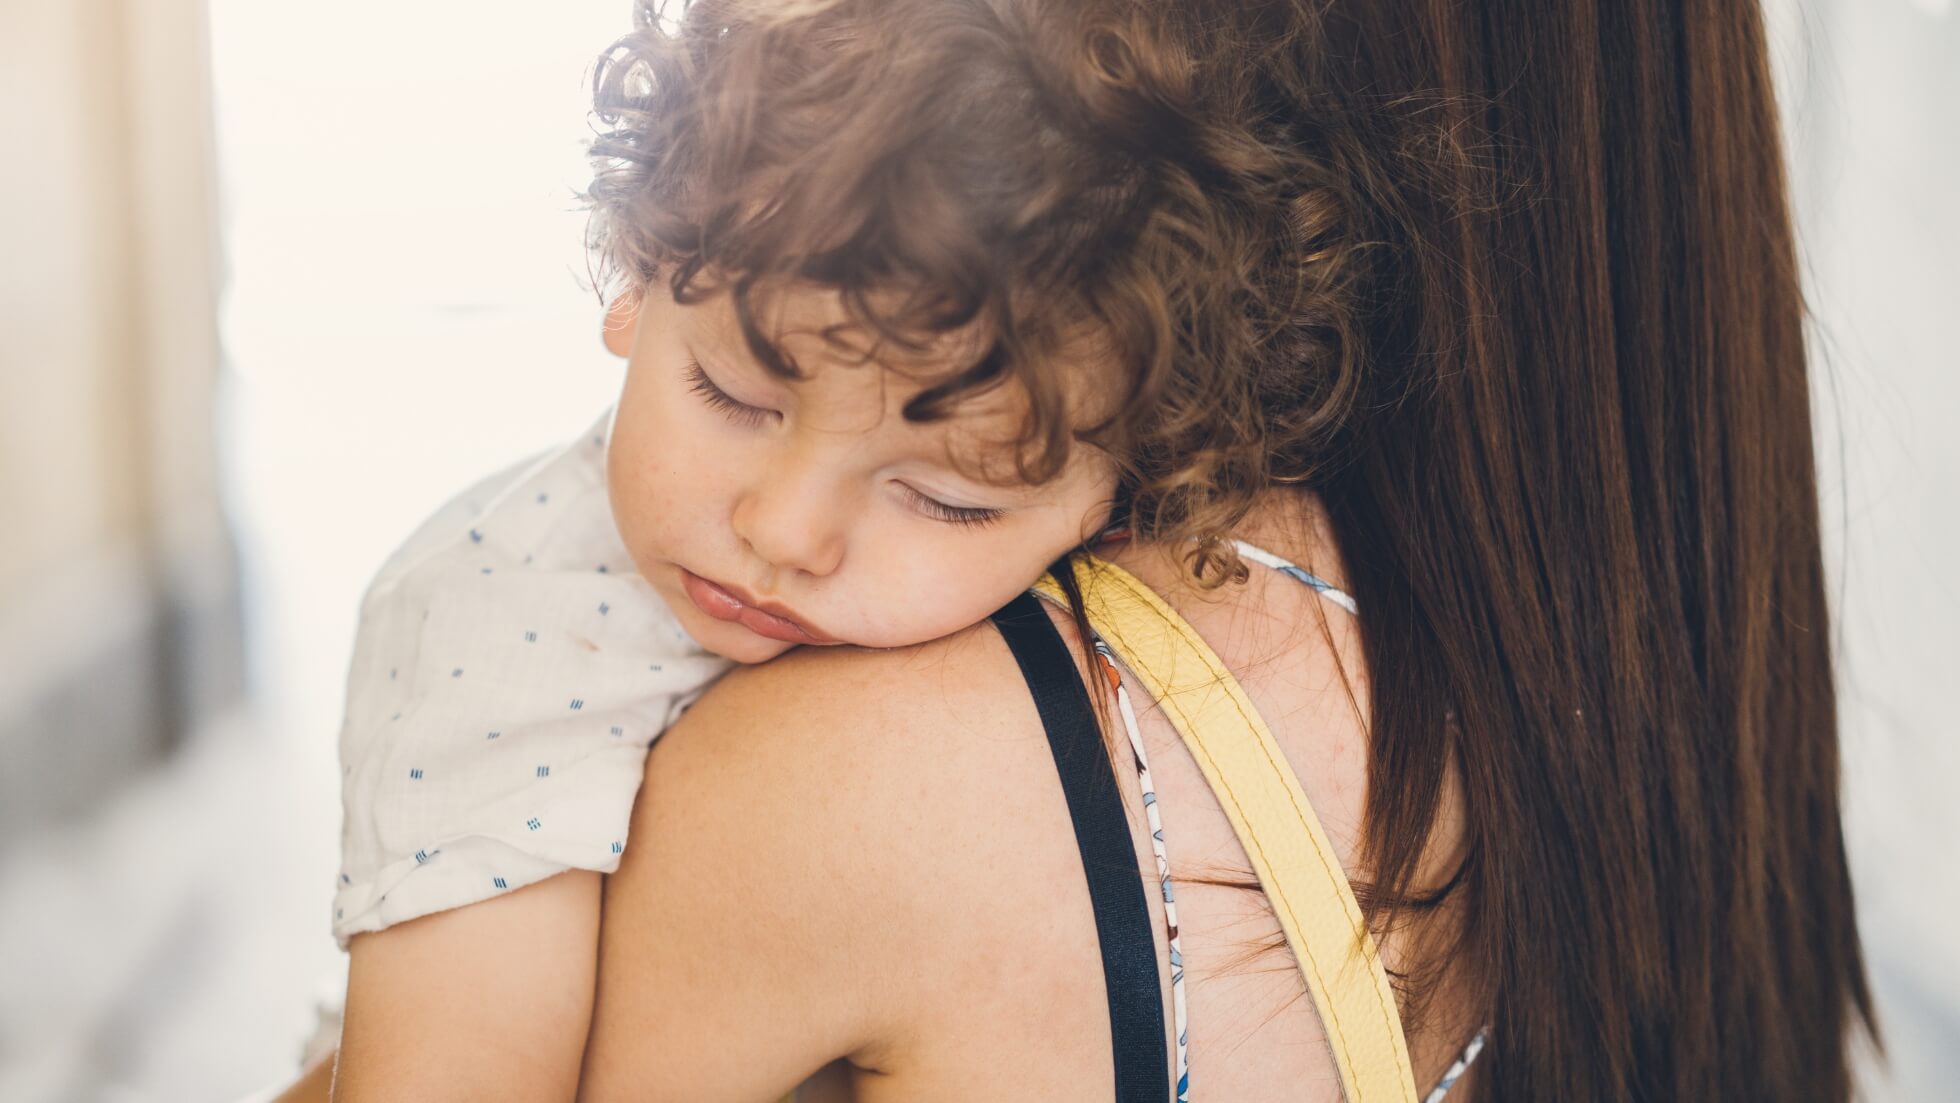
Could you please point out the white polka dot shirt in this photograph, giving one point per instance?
(509, 672)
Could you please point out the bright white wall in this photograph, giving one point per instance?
(404, 310)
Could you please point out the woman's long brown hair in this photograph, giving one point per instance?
(1583, 521)
(1512, 286)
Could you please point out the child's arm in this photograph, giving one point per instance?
(486, 1002)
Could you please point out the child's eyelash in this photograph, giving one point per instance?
(964, 516)
(741, 413)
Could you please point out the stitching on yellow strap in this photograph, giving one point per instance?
(1113, 599)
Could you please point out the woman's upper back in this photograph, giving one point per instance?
(867, 855)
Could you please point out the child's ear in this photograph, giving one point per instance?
(622, 324)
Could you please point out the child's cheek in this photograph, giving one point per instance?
(647, 487)
(891, 599)
(956, 589)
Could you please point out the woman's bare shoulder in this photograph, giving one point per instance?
(813, 835)
(936, 679)
(880, 724)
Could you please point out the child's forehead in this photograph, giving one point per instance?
(812, 326)
(862, 384)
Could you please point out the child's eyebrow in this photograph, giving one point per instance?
(993, 463)
(826, 338)
(711, 336)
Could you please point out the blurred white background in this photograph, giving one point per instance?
(396, 272)
(1871, 94)
(403, 308)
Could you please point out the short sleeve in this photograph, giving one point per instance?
(510, 669)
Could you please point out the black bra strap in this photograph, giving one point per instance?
(1109, 857)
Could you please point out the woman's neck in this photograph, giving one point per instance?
(1291, 523)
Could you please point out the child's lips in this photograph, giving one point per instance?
(723, 603)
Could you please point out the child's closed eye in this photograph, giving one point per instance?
(747, 416)
(965, 516)
(737, 411)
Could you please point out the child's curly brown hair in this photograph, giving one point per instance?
(1159, 176)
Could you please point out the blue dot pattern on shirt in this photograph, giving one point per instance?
(510, 623)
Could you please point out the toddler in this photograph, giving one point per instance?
(519, 653)
(900, 314)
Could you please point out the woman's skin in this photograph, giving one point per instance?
(865, 855)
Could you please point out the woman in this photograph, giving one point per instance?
(1486, 316)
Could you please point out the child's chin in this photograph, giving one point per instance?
(738, 644)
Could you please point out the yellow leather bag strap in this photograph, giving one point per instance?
(1290, 853)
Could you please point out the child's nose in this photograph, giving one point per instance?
(793, 524)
